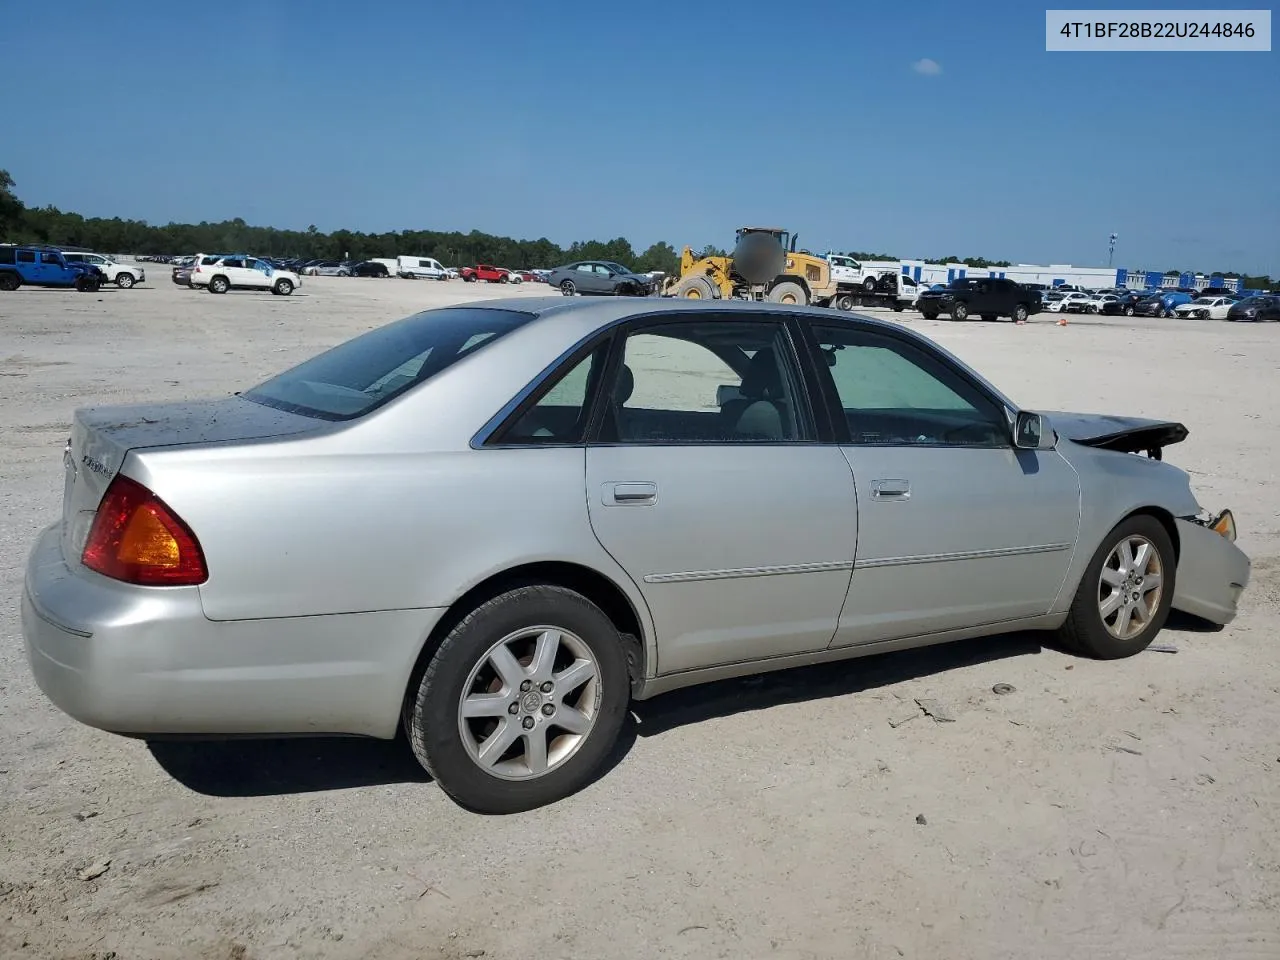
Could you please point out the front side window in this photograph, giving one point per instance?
(708, 381)
(53, 259)
(360, 375)
(895, 393)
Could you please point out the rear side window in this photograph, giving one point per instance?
(360, 375)
(26, 256)
(6, 255)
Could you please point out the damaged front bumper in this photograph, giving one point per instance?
(1212, 571)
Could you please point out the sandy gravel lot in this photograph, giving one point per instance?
(1127, 810)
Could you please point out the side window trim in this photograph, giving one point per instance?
(827, 385)
(808, 417)
(492, 435)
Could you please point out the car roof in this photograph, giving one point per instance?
(572, 319)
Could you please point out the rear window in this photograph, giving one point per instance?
(363, 373)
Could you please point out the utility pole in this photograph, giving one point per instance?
(1111, 249)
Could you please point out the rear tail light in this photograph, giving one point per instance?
(136, 538)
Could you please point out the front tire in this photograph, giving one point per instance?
(959, 312)
(282, 288)
(869, 284)
(124, 281)
(522, 703)
(1019, 314)
(789, 293)
(1124, 597)
(219, 285)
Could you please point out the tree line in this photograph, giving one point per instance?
(22, 224)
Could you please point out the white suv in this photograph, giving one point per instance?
(223, 272)
(122, 275)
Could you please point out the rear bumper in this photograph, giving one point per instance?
(1212, 574)
(146, 661)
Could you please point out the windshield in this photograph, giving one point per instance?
(1203, 300)
(362, 374)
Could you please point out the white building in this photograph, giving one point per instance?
(1055, 274)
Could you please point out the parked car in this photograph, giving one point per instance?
(987, 297)
(716, 515)
(1170, 300)
(238, 272)
(1205, 308)
(123, 275)
(328, 268)
(370, 268)
(413, 268)
(1126, 303)
(181, 273)
(486, 272)
(1260, 309)
(44, 267)
(1098, 301)
(599, 277)
(1073, 301)
(526, 276)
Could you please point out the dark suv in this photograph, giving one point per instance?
(988, 297)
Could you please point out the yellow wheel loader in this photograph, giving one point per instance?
(764, 265)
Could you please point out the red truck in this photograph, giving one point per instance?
(486, 272)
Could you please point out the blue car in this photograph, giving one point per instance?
(44, 267)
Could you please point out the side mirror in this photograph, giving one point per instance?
(1033, 431)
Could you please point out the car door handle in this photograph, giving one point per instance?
(630, 494)
(891, 490)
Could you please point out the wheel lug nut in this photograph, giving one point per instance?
(527, 723)
(513, 708)
(526, 686)
(548, 709)
(547, 686)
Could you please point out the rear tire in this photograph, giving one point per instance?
(567, 288)
(788, 292)
(1094, 631)
(510, 630)
(124, 280)
(10, 281)
(869, 284)
(1128, 311)
(844, 302)
(929, 314)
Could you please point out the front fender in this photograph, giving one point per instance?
(1212, 574)
(1112, 486)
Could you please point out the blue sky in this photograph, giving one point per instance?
(670, 121)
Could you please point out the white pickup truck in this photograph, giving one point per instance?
(856, 284)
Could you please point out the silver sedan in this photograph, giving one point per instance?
(495, 524)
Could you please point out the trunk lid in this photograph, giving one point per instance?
(1122, 434)
(102, 436)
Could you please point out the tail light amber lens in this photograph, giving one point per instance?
(136, 538)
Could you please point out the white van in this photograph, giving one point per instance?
(415, 268)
